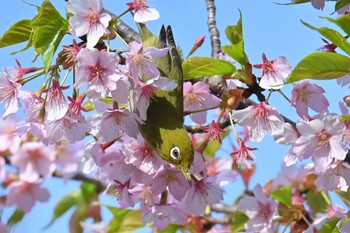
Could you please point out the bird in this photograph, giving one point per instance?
(163, 128)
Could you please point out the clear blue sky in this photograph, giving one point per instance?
(270, 28)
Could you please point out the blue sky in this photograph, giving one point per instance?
(268, 27)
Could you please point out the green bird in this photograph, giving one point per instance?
(163, 129)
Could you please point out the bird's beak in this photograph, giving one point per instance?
(187, 176)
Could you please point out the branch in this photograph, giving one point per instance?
(213, 31)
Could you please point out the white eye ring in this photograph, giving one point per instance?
(175, 153)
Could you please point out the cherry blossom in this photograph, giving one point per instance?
(344, 80)
(88, 19)
(308, 95)
(320, 138)
(9, 141)
(337, 176)
(221, 169)
(56, 105)
(198, 97)
(24, 194)
(163, 215)
(69, 54)
(143, 13)
(114, 120)
(97, 70)
(140, 154)
(139, 60)
(94, 227)
(261, 211)
(34, 159)
(214, 131)
(258, 119)
(72, 126)
(2, 169)
(9, 93)
(273, 72)
(243, 156)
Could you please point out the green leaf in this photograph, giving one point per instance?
(236, 50)
(238, 222)
(171, 228)
(318, 201)
(17, 33)
(332, 35)
(341, 3)
(344, 196)
(63, 205)
(124, 220)
(283, 195)
(198, 67)
(88, 191)
(320, 65)
(342, 21)
(16, 217)
(147, 37)
(49, 29)
(330, 226)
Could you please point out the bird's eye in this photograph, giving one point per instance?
(175, 153)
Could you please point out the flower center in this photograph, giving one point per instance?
(303, 95)
(323, 138)
(140, 4)
(34, 154)
(97, 71)
(92, 16)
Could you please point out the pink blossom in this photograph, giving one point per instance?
(68, 157)
(198, 97)
(308, 95)
(121, 93)
(320, 138)
(97, 70)
(123, 193)
(337, 176)
(33, 105)
(171, 179)
(258, 119)
(344, 80)
(289, 175)
(214, 131)
(143, 193)
(163, 215)
(143, 13)
(69, 54)
(204, 191)
(273, 72)
(73, 126)
(88, 18)
(56, 105)
(24, 194)
(345, 228)
(328, 47)
(18, 72)
(34, 159)
(139, 60)
(114, 120)
(260, 210)
(221, 169)
(243, 154)
(140, 154)
(145, 92)
(9, 93)
(9, 141)
(318, 4)
(2, 169)
(3, 228)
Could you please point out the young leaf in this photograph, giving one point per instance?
(124, 220)
(17, 33)
(88, 191)
(332, 35)
(342, 21)
(236, 49)
(16, 217)
(330, 226)
(198, 67)
(320, 65)
(63, 205)
(341, 3)
(171, 228)
(318, 201)
(50, 27)
(344, 196)
(283, 195)
(238, 222)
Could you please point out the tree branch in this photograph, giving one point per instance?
(213, 31)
